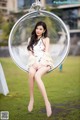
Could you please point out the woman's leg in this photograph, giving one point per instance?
(41, 86)
(31, 88)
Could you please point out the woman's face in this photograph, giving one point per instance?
(39, 30)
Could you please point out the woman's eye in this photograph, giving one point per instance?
(39, 29)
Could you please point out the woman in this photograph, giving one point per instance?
(40, 62)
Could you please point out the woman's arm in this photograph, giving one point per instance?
(30, 52)
(47, 44)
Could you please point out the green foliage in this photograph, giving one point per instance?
(6, 28)
(1, 19)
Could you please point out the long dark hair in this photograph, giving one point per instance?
(33, 39)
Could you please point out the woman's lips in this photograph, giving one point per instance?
(38, 33)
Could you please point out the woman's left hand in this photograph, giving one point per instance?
(39, 66)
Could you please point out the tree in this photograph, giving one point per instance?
(1, 19)
(6, 28)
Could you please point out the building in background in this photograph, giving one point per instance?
(67, 10)
(8, 6)
(3, 6)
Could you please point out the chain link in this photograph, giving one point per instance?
(36, 6)
(38, 1)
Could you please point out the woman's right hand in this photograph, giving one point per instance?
(37, 66)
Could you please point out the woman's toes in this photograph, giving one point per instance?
(48, 109)
(30, 106)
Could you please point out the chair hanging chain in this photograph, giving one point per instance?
(38, 1)
(36, 6)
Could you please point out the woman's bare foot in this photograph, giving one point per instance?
(48, 109)
(30, 106)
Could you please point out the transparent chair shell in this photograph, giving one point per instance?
(21, 31)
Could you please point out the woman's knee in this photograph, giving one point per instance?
(37, 75)
(31, 73)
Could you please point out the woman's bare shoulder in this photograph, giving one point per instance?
(29, 39)
(46, 39)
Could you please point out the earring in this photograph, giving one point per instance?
(42, 34)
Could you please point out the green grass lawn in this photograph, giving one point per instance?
(63, 89)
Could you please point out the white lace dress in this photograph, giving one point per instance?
(40, 56)
(39, 50)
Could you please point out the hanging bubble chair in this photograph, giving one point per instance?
(21, 31)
